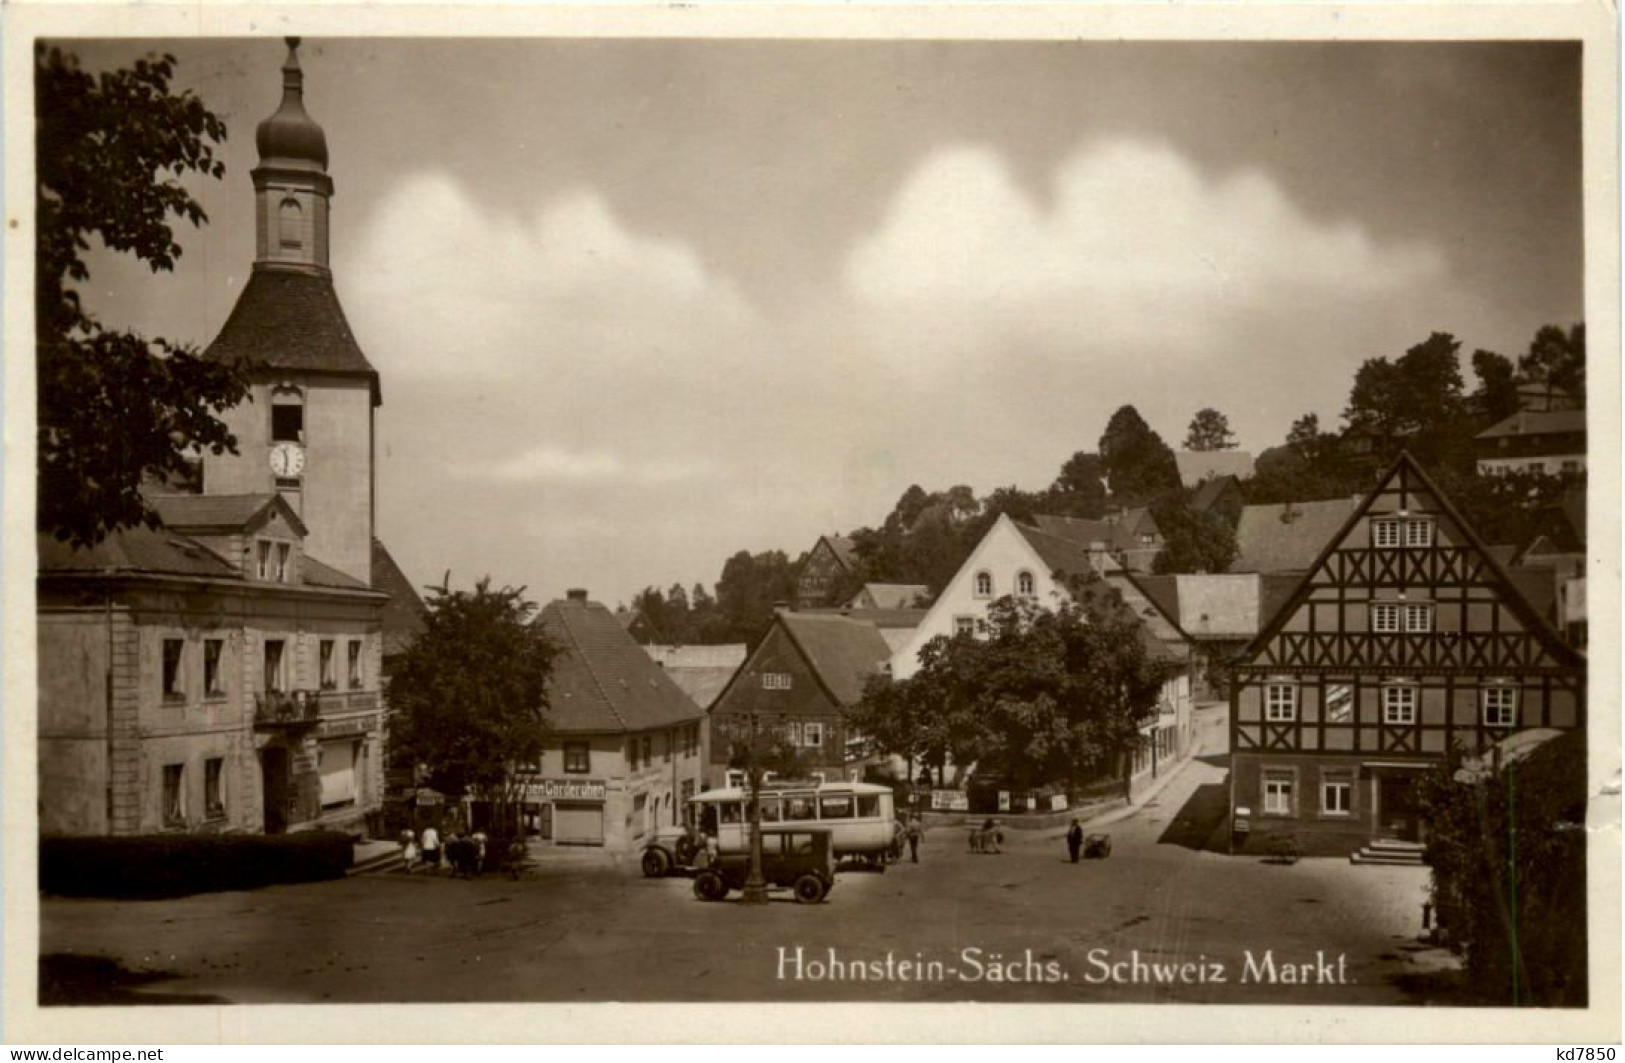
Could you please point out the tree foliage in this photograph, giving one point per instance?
(1507, 850)
(1192, 541)
(1557, 359)
(1209, 430)
(469, 697)
(1047, 694)
(1139, 465)
(113, 153)
(1497, 396)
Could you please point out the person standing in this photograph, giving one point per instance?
(480, 841)
(1074, 840)
(916, 830)
(409, 851)
(431, 848)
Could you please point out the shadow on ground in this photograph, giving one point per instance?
(1200, 822)
(1216, 760)
(67, 979)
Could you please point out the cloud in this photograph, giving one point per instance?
(1136, 246)
(560, 465)
(447, 281)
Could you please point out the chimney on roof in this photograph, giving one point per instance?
(577, 594)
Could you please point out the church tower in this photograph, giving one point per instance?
(308, 433)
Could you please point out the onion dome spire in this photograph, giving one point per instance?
(290, 137)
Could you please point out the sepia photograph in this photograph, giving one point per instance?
(671, 519)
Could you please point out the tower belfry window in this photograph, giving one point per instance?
(287, 416)
(290, 225)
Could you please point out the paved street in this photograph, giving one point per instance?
(582, 929)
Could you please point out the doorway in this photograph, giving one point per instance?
(1398, 816)
(274, 787)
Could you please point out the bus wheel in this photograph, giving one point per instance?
(655, 863)
(809, 889)
(708, 886)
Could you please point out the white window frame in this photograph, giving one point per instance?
(1392, 704)
(353, 666)
(1386, 533)
(284, 563)
(1272, 705)
(964, 625)
(1276, 784)
(1418, 617)
(777, 681)
(174, 686)
(812, 734)
(1386, 618)
(265, 552)
(280, 674)
(1419, 533)
(1491, 694)
(1337, 783)
(1026, 585)
(569, 751)
(326, 650)
(982, 578)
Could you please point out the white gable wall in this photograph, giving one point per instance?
(1003, 553)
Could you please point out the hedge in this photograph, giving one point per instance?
(173, 865)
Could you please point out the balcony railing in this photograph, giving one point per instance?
(285, 707)
(336, 702)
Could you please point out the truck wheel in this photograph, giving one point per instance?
(809, 889)
(655, 863)
(710, 887)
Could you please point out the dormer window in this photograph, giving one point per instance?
(984, 585)
(264, 569)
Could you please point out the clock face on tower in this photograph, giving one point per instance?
(287, 459)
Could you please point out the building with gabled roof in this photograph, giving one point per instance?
(623, 742)
(1541, 441)
(828, 568)
(808, 669)
(895, 625)
(1029, 562)
(1404, 637)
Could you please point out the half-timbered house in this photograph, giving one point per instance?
(1406, 636)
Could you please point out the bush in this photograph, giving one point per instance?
(1509, 873)
(173, 865)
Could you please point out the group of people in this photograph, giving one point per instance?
(463, 853)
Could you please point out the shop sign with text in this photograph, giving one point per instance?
(565, 789)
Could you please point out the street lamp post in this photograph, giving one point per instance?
(755, 891)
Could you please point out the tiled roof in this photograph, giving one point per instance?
(1198, 465)
(318, 574)
(135, 550)
(290, 318)
(886, 619)
(405, 614)
(842, 652)
(194, 513)
(894, 595)
(1537, 423)
(1067, 558)
(1289, 536)
(701, 672)
(1081, 530)
(602, 681)
(846, 551)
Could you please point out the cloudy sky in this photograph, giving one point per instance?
(640, 304)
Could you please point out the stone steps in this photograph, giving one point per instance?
(1389, 852)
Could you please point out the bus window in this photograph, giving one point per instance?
(732, 812)
(799, 807)
(868, 806)
(770, 809)
(835, 806)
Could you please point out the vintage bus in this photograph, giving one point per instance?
(859, 815)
